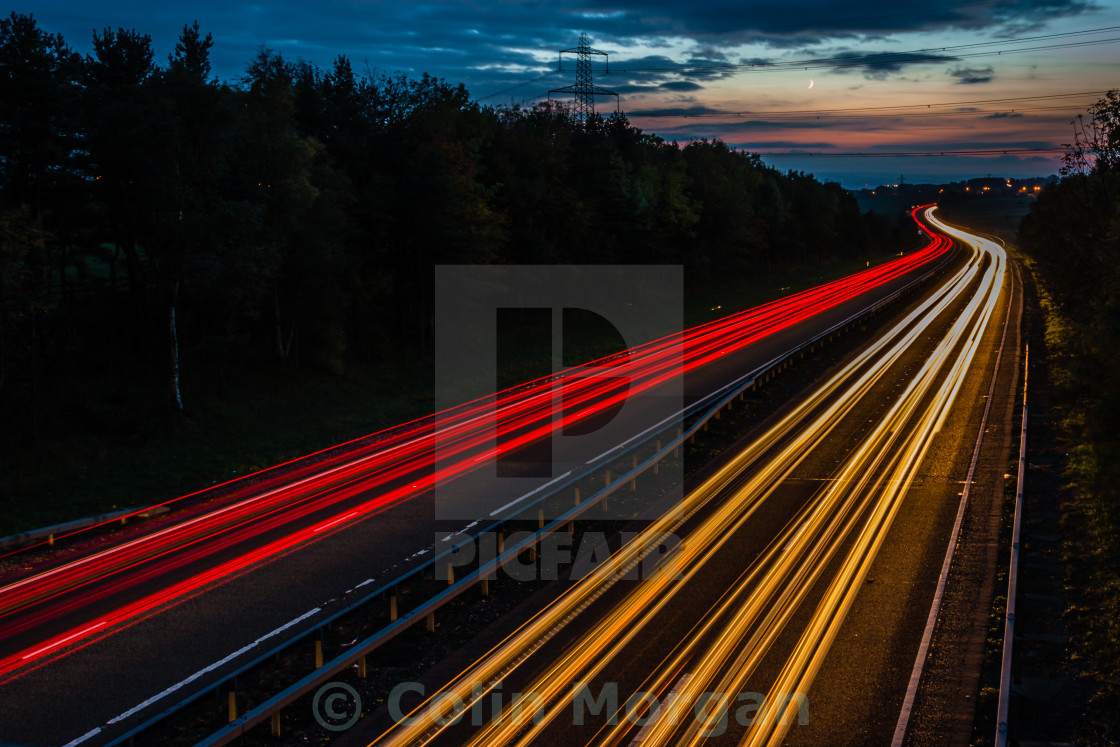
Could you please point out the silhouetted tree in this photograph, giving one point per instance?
(191, 57)
(299, 212)
(1096, 139)
(39, 89)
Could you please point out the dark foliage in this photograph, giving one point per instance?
(297, 214)
(1073, 236)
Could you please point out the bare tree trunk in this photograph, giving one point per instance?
(113, 265)
(284, 349)
(34, 377)
(3, 339)
(132, 266)
(173, 336)
(279, 331)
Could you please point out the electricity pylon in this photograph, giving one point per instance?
(584, 90)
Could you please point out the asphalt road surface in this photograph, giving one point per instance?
(795, 603)
(108, 629)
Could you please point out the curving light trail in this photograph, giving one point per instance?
(847, 520)
(271, 513)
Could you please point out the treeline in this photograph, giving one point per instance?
(150, 213)
(1072, 234)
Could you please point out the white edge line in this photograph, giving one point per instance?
(534, 491)
(136, 709)
(239, 652)
(84, 737)
(935, 607)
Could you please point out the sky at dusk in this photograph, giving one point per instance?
(795, 81)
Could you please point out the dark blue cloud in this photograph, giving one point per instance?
(637, 89)
(927, 146)
(681, 85)
(813, 21)
(511, 46)
(673, 111)
(490, 46)
(973, 75)
(791, 145)
(882, 65)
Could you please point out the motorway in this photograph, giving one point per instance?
(727, 640)
(103, 630)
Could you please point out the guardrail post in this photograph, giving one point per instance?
(50, 540)
(361, 668)
(450, 574)
(274, 724)
(577, 495)
(431, 620)
(393, 608)
(607, 478)
(540, 518)
(232, 706)
(501, 542)
(318, 652)
(485, 587)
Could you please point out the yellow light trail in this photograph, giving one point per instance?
(817, 539)
(800, 669)
(777, 581)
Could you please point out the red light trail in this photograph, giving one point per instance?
(313, 498)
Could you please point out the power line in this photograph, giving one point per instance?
(849, 58)
(889, 58)
(814, 24)
(867, 112)
(763, 118)
(584, 89)
(914, 154)
(884, 58)
(966, 102)
(549, 74)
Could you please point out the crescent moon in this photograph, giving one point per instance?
(810, 82)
